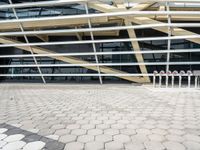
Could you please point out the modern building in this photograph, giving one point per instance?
(97, 41)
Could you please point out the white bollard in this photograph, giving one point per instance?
(169, 73)
(180, 78)
(196, 82)
(160, 78)
(189, 78)
(173, 76)
(154, 78)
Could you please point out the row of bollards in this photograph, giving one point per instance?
(162, 74)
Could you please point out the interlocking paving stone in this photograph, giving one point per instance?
(94, 146)
(26, 141)
(2, 143)
(153, 145)
(122, 138)
(2, 130)
(13, 138)
(103, 138)
(14, 145)
(95, 132)
(111, 131)
(134, 146)
(67, 138)
(190, 145)
(156, 137)
(37, 145)
(74, 146)
(175, 138)
(78, 132)
(62, 132)
(119, 116)
(2, 136)
(174, 146)
(54, 145)
(85, 138)
(192, 137)
(114, 146)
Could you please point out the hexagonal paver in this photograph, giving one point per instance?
(95, 122)
(190, 145)
(74, 146)
(73, 126)
(88, 126)
(2, 143)
(2, 130)
(94, 146)
(176, 131)
(174, 137)
(13, 138)
(118, 126)
(159, 131)
(103, 138)
(85, 138)
(143, 131)
(46, 131)
(14, 145)
(153, 145)
(140, 137)
(174, 146)
(95, 132)
(122, 138)
(156, 137)
(134, 146)
(102, 126)
(2, 136)
(62, 132)
(111, 131)
(58, 126)
(192, 137)
(67, 138)
(127, 131)
(78, 132)
(53, 136)
(37, 145)
(114, 146)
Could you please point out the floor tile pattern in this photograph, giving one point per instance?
(14, 138)
(94, 117)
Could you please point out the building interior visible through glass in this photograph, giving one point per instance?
(84, 41)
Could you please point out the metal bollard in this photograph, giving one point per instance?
(196, 82)
(167, 78)
(196, 73)
(160, 78)
(180, 77)
(173, 76)
(154, 78)
(189, 78)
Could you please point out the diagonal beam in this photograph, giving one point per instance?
(72, 60)
(135, 44)
(136, 47)
(144, 20)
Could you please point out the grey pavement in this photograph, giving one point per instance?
(95, 117)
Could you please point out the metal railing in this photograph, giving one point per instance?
(165, 76)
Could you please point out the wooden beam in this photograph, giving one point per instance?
(44, 38)
(72, 60)
(78, 35)
(136, 47)
(145, 20)
(48, 24)
(135, 44)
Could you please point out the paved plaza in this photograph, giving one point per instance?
(95, 117)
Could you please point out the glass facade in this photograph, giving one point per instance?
(83, 41)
